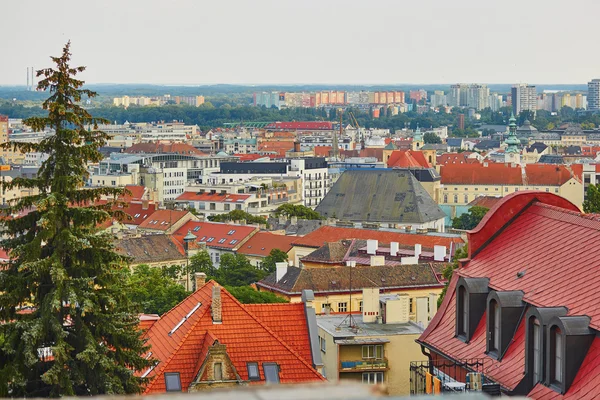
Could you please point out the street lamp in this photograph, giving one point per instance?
(190, 237)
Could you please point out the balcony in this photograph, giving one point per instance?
(364, 365)
(446, 376)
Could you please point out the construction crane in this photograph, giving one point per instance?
(359, 131)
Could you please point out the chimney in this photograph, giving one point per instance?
(281, 270)
(372, 246)
(200, 279)
(417, 250)
(439, 253)
(394, 246)
(145, 204)
(370, 298)
(216, 305)
(296, 146)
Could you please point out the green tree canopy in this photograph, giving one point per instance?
(470, 219)
(275, 256)
(237, 215)
(297, 210)
(63, 267)
(591, 204)
(236, 270)
(249, 295)
(154, 290)
(430, 137)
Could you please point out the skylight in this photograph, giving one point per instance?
(196, 229)
(231, 232)
(145, 374)
(210, 239)
(197, 306)
(222, 240)
(234, 242)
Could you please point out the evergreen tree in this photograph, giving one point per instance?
(591, 204)
(80, 335)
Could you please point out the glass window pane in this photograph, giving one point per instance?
(379, 350)
(271, 373)
(172, 382)
(536, 352)
(218, 372)
(253, 371)
(558, 357)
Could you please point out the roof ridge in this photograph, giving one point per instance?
(281, 341)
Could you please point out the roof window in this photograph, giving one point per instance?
(271, 371)
(504, 311)
(196, 229)
(253, 373)
(172, 382)
(222, 240)
(471, 295)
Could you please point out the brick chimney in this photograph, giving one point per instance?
(145, 204)
(200, 279)
(216, 306)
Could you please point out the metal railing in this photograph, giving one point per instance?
(451, 376)
(363, 365)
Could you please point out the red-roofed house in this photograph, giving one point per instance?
(305, 245)
(166, 221)
(462, 183)
(301, 126)
(164, 148)
(219, 238)
(211, 340)
(522, 308)
(465, 157)
(407, 159)
(215, 203)
(260, 245)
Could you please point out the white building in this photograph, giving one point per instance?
(524, 97)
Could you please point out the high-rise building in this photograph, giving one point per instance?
(593, 97)
(461, 121)
(438, 98)
(524, 97)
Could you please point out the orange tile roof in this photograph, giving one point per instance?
(214, 234)
(216, 197)
(138, 212)
(407, 159)
(262, 243)
(162, 220)
(326, 234)
(456, 158)
(137, 193)
(504, 174)
(246, 336)
(322, 151)
(485, 201)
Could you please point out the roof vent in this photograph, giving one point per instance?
(521, 274)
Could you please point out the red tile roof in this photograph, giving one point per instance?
(147, 320)
(162, 220)
(485, 201)
(225, 236)
(262, 243)
(246, 337)
(137, 193)
(407, 159)
(538, 234)
(308, 125)
(456, 158)
(138, 211)
(326, 234)
(504, 174)
(168, 148)
(214, 197)
(322, 151)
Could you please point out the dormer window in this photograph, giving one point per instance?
(556, 356)
(471, 294)
(504, 311)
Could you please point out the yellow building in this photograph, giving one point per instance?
(9, 156)
(463, 183)
(375, 346)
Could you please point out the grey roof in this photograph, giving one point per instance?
(334, 325)
(573, 150)
(434, 146)
(574, 129)
(300, 228)
(488, 144)
(526, 128)
(539, 146)
(551, 159)
(148, 249)
(379, 196)
(546, 136)
(454, 142)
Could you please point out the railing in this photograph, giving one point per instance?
(431, 377)
(364, 365)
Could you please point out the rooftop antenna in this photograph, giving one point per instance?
(32, 85)
(27, 78)
(349, 319)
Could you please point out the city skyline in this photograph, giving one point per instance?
(309, 42)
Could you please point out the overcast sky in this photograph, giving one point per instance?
(306, 41)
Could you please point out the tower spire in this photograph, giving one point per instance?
(512, 152)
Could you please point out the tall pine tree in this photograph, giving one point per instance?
(67, 325)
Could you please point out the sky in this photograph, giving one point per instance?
(306, 41)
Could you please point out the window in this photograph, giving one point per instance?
(322, 344)
(556, 356)
(494, 327)
(462, 319)
(536, 332)
(233, 241)
(342, 307)
(217, 258)
(253, 373)
(445, 198)
(196, 229)
(410, 306)
(466, 198)
(372, 378)
(172, 382)
(271, 372)
(325, 307)
(227, 207)
(210, 239)
(360, 306)
(222, 240)
(218, 371)
(372, 351)
(456, 198)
